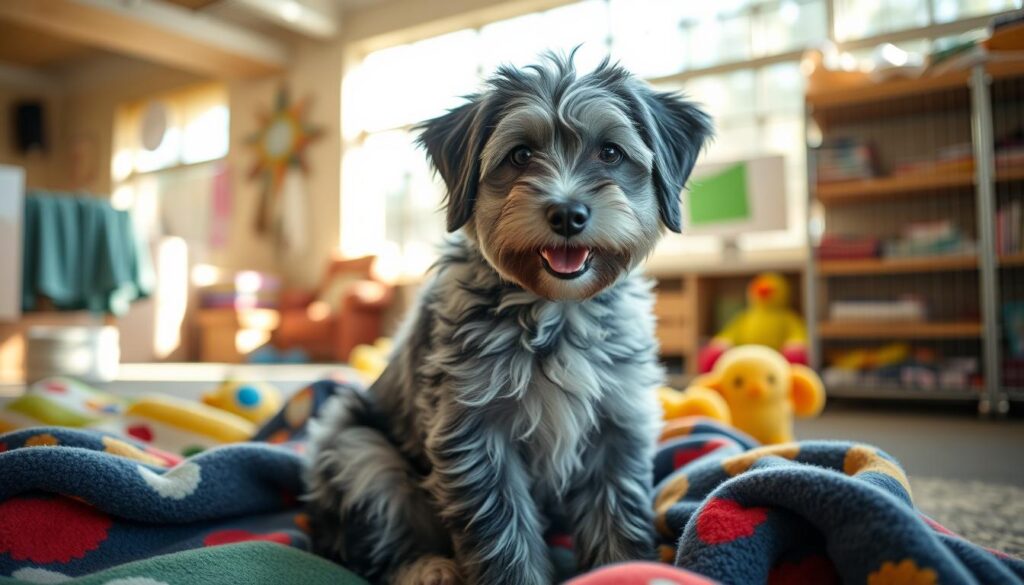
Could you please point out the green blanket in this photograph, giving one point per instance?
(82, 254)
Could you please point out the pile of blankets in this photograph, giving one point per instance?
(88, 507)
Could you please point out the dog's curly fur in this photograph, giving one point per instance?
(516, 393)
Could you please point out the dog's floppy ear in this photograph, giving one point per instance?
(676, 131)
(454, 142)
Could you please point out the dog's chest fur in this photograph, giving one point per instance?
(547, 374)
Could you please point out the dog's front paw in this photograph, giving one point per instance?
(429, 570)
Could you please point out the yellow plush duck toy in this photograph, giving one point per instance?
(757, 388)
(767, 321)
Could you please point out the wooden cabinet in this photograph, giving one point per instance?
(228, 335)
(690, 311)
(675, 310)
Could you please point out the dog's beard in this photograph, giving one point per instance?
(526, 267)
(514, 238)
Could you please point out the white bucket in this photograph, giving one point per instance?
(88, 353)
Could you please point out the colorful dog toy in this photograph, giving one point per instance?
(253, 401)
(760, 390)
(767, 321)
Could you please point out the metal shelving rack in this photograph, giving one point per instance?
(938, 111)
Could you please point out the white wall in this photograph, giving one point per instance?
(12, 191)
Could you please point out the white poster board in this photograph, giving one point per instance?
(12, 197)
(759, 197)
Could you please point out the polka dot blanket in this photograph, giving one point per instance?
(85, 507)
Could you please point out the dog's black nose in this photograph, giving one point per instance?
(568, 219)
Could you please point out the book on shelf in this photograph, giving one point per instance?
(929, 238)
(903, 310)
(1013, 326)
(846, 159)
(1010, 158)
(1009, 228)
(960, 53)
(1013, 373)
(1010, 149)
(935, 167)
(953, 159)
(900, 366)
(840, 247)
(917, 240)
(906, 377)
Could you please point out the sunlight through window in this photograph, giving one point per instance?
(390, 200)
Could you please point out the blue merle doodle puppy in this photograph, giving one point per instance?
(523, 381)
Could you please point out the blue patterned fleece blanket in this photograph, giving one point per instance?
(98, 508)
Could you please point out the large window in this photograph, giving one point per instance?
(167, 162)
(739, 58)
(168, 169)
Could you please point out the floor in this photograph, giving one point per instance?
(965, 472)
(950, 443)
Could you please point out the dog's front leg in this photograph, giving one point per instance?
(610, 503)
(481, 486)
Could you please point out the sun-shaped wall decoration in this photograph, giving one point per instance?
(280, 145)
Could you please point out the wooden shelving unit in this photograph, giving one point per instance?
(842, 100)
(884, 188)
(901, 393)
(870, 93)
(1005, 175)
(887, 330)
(896, 265)
(1012, 259)
(887, 187)
(912, 120)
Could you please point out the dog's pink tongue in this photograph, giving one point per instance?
(565, 260)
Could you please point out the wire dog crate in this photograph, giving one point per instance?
(917, 286)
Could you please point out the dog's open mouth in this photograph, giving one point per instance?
(566, 262)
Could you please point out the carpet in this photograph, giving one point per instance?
(989, 514)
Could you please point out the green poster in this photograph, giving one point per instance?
(720, 197)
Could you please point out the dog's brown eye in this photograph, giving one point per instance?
(610, 154)
(521, 156)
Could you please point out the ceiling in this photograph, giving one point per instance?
(342, 4)
(357, 4)
(28, 47)
(192, 4)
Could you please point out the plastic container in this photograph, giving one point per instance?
(89, 353)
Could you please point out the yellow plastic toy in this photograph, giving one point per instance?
(253, 401)
(865, 358)
(370, 360)
(696, 401)
(767, 321)
(183, 426)
(761, 392)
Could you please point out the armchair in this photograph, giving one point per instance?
(344, 310)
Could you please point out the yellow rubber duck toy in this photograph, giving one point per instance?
(370, 360)
(759, 390)
(767, 321)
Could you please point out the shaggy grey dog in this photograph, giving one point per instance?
(522, 387)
